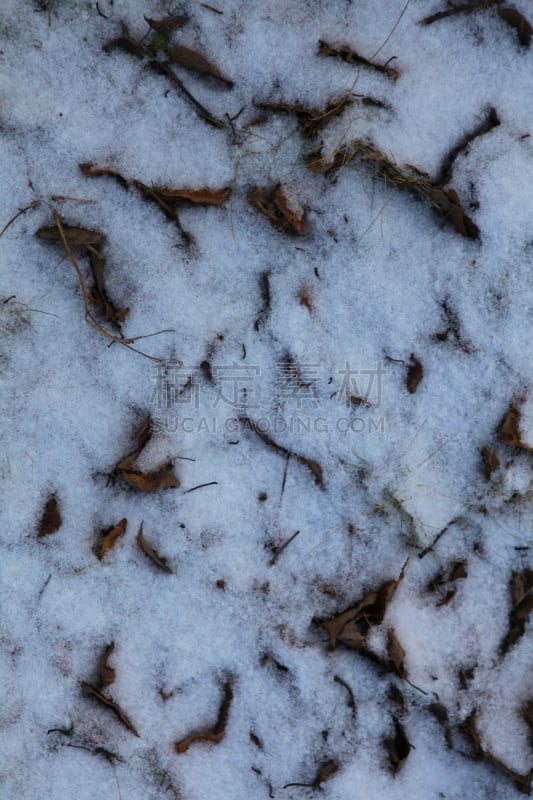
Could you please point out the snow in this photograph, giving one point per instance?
(378, 269)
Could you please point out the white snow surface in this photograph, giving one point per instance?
(378, 269)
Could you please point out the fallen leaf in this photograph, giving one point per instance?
(92, 171)
(325, 772)
(151, 553)
(162, 478)
(166, 26)
(98, 295)
(351, 627)
(50, 519)
(107, 673)
(275, 206)
(398, 747)
(126, 43)
(521, 591)
(193, 60)
(217, 733)
(415, 373)
(114, 707)
(73, 235)
(203, 197)
(517, 21)
(510, 430)
(396, 653)
(490, 460)
(444, 582)
(111, 536)
(470, 731)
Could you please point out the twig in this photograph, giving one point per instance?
(19, 214)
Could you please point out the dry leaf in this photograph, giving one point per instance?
(521, 590)
(490, 460)
(217, 733)
(415, 373)
(510, 430)
(162, 478)
(193, 60)
(351, 627)
(114, 707)
(274, 205)
(126, 43)
(107, 673)
(151, 553)
(73, 235)
(92, 171)
(202, 197)
(98, 295)
(166, 26)
(398, 747)
(444, 583)
(517, 21)
(469, 730)
(396, 653)
(51, 518)
(111, 536)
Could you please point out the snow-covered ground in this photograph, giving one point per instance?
(340, 402)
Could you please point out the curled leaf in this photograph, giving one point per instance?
(217, 733)
(415, 374)
(279, 210)
(111, 536)
(50, 519)
(149, 551)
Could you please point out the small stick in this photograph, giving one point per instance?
(19, 214)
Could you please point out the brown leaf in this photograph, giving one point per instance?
(521, 590)
(490, 460)
(126, 43)
(415, 373)
(444, 581)
(274, 205)
(98, 294)
(107, 673)
(193, 60)
(114, 707)
(396, 653)
(151, 553)
(350, 627)
(314, 468)
(166, 26)
(510, 430)
(469, 730)
(111, 536)
(398, 747)
(73, 235)
(202, 197)
(162, 478)
(50, 519)
(217, 733)
(305, 298)
(92, 171)
(517, 21)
